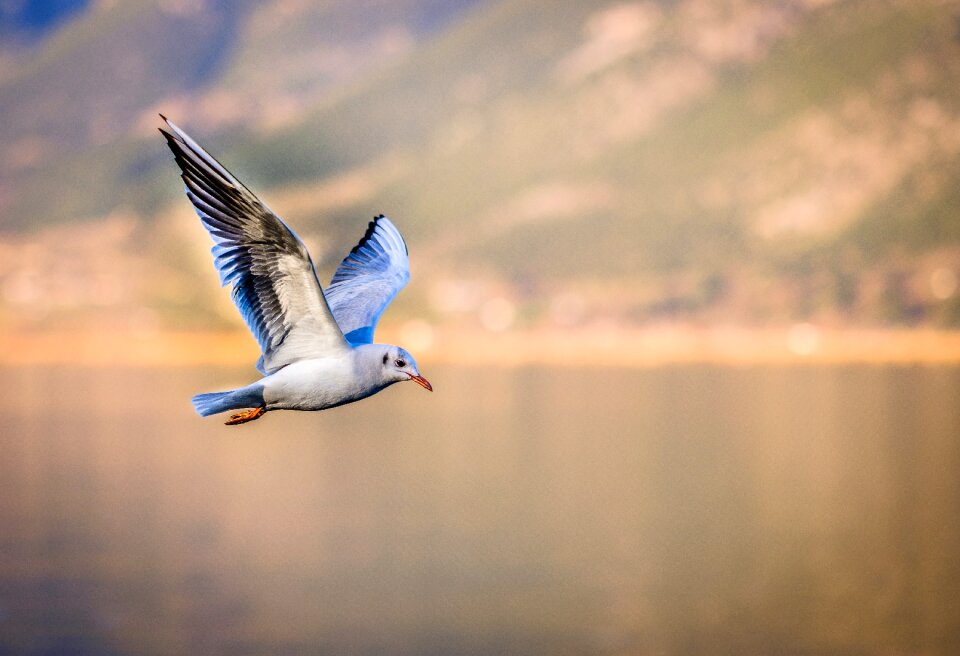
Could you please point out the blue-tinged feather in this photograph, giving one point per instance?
(368, 278)
(275, 287)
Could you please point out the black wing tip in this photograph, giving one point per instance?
(169, 131)
(368, 234)
(178, 148)
(188, 158)
(373, 226)
(174, 144)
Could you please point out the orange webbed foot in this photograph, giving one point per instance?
(245, 416)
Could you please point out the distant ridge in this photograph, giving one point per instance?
(752, 162)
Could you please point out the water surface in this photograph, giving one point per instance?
(686, 510)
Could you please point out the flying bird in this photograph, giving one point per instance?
(316, 344)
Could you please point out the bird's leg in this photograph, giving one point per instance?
(245, 416)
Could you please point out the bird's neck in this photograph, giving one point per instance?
(368, 360)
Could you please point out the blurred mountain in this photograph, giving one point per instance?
(683, 160)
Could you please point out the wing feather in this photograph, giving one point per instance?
(275, 286)
(368, 278)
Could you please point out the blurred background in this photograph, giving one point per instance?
(685, 279)
(553, 166)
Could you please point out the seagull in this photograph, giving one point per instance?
(316, 345)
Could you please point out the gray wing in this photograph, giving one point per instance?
(367, 280)
(275, 286)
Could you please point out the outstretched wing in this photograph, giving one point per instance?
(367, 280)
(275, 286)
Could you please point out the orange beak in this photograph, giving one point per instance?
(422, 382)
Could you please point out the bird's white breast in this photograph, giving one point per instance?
(316, 384)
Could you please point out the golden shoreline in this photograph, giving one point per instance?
(601, 347)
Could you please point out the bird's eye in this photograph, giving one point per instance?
(400, 362)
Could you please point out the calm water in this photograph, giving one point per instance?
(689, 510)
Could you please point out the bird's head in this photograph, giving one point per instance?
(399, 365)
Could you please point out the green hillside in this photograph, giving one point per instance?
(746, 162)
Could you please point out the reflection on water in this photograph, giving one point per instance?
(690, 510)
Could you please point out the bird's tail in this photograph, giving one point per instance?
(212, 403)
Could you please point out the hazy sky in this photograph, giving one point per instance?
(32, 18)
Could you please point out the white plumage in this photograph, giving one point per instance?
(317, 347)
